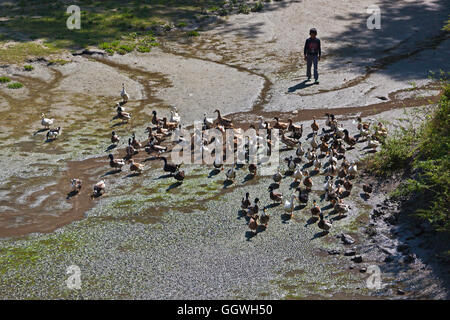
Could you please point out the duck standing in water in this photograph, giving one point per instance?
(99, 188)
(76, 185)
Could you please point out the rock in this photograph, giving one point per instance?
(349, 253)
(382, 98)
(89, 52)
(377, 213)
(426, 227)
(410, 258)
(357, 259)
(400, 292)
(389, 258)
(388, 251)
(392, 219)
(351, 267)
(333, 252)
(363, 270)
(417, 232)
(346, 239)
(403, 247)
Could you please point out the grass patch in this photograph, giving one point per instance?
(424, 152)
(4, 79)
(28, 67)
(15, 85)
(59, 62)
(19, 52)
(192, 33)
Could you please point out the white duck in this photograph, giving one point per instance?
(99, 188)
(329, 184)
(261, 124)
(174, 116)
(125, 96)
(207, 122)
(300, 152)
(317, 163)
(353, 169)
(314, 143)
(289, 204)
(46, 122)
(298, 174)
(373, 144)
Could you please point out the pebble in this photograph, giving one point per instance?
(349, 253)
(346, 239)
(357, 259)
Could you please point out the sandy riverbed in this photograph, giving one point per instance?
(145, 239)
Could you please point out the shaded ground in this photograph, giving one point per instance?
(148, 237)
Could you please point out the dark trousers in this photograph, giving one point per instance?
(312, 59)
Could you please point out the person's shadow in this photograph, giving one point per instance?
(301, 85)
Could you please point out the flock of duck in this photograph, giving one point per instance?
(325, 154)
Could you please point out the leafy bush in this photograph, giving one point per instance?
(425, 153)
(192, 33)
(28, 67)
(4, 79)
(15, 85)
(258, 6)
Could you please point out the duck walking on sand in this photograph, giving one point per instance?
(46, 122)
(114, 138)
(124, 94)
(289, 204)
(253, 224)
(323, 224)
(245, 202)
(52, 134)
(137, 167)
(276, 197)
(264, 218)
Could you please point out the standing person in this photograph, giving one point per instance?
(312, 54)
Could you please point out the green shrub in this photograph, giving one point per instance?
(425, 153)
(15, 85)
(192, 33)
(258, 6)
(143, 49)
(28, 67)
(4, 79)
(243, 8)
